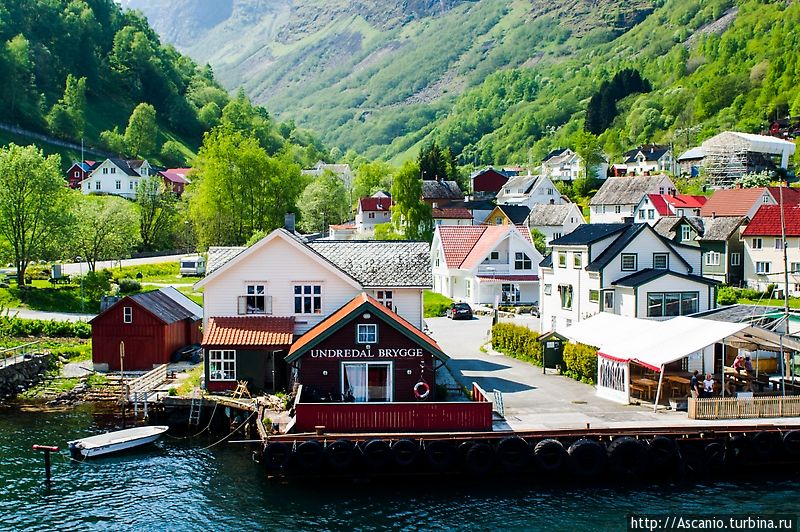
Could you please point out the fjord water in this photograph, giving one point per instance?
(175, 485)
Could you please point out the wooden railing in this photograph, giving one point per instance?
(150, 380)
(744, 408)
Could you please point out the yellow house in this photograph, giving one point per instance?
(507, 215)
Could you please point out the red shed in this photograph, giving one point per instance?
(153, 325)
(488, 182)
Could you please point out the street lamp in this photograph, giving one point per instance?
(80, 266)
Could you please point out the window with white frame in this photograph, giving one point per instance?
(468, 288)
(641, 214)
(556, 235)
(765, 198)
(522, 261)
(130, 185)
(629, 261)
(736, 258)
(371, 215)
(577, 260)
(113, 170)
(364, 382)
(366, 333)
(608, 300)
(661, 190)
(651, 214)
(686, 232)
(668, 304)
(617, 209)
(756, 243)
(307, 299)
(118, 185)
(510, 293)
(385, 297)
(498, 220)
(565, 291)
(105, 170)
(494, 255)
(127, 315)
(255, 299)
(763, 267)
(97, 185)
(794, 267)
(712, 258)
(549, 191)
(221, 365)
(548, 289)
(778, 243)
(594, 296)
(660, 261)
(562, 259)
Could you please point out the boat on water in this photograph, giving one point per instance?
(112, 442)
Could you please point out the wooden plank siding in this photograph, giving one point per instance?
(741, 408)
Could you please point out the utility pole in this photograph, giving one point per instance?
(785, 284)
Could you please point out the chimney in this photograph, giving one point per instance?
(288, 222)
(552, 202)
(713, 214)
(434, 205)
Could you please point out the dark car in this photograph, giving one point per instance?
(459, 311)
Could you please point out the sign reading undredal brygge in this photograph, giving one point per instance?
(366, 353)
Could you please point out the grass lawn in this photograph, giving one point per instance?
(435, 304)
(165, 272)
(189, 292)
(793, 302)
(43, 296)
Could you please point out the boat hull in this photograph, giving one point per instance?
(113, 442)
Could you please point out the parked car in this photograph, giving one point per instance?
(459, 311)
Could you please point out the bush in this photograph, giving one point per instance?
(97, 284)
(727, 296)
(38, 273)
(20, 328)
(580, 361)
(518, 342)
(435, 304)
(128, 286)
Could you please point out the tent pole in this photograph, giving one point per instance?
(658, 390)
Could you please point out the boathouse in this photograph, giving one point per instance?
(152, 325)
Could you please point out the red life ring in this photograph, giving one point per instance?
(422, 386)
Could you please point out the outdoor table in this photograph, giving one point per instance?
(648, 383)
(681, 382)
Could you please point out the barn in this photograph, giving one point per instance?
(153, 325)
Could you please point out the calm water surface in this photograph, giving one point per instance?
(177, 486)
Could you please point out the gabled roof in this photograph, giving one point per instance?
(649, 274)
(261, 332)
(452, 213)
(164, 304)
(379, 263)
(124, 165)
(625, 238)
(589, 233)
(692, 154)
(467, 245)
(516, 213)
(554, 153)
(652, 152)
(479, 205)
(626, 190)
(731, 201)
(661, 202)
(219, 255)
(525, 182)
(791, 195)
(374, 204)
(433, 190)
(767, 221)
(355, 307)
(176, 175)
(549, 215)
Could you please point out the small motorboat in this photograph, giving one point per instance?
(112, 442)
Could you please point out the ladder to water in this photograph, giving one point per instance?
(195, 408)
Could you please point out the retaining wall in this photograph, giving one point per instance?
(18, 377)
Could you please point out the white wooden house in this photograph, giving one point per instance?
(554, 221)
(617, 199)
(117, 177)
(529, 190)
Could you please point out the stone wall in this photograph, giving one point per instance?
(18, 377)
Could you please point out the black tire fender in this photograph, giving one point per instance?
(440, 454)
(513, 454)
(276, 455)
(627, 456)
(767, 446)
(340, 454)
(663, 454)
(714, 454)
(587, 458)
(376, 453)
(404, 452)
(309, 455)
(549, 455)
(479, 459)
(791, 444)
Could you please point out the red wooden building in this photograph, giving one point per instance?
(487, 183)
(153, 325)
(78, 172)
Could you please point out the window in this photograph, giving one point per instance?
(256, 299)
(680, 212)
(794, 267)
(577, 260)
(105, 170)
(641, 214)
(565, 291)
(608, 300)
(661, 190)
(97, 185)
(221, 365)
(118, 184)
(77, 173)
(651, 214)
(308, 299)
(556, 235)
(548, 289)
(763, 267)
(113, 170)
(510, 293)
(757, 243)
(130, 185)
(562, 259)
(549, 191)
(508, 191)
(371, 215)
(366, 333)
(385, 297)
(669, 304)
(660, 261)
(594, 296)
(629, 261)
(736, 259)
(522, 261)
(764, 199)
(617, 209)
(364, 382)
(712, 258)
(498, 220)
(778, 243)
(686, 232)
(468, 289)
(494, 255)
(127, 315)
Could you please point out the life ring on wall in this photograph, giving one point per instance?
(422, 390)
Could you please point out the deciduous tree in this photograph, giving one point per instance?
(157, 209)
(410, 215)
(142, 131)
(324, 201)
(107, 229)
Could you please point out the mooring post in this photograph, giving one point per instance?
(47, 450)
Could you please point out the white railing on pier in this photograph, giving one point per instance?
(10, 355)
(141, 388)
(744, 408)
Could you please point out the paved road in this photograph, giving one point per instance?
(533, 400)
(45, 315)
(76, 268)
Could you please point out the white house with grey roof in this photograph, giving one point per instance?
(284, 275)
(117, 177)
(529, 190)
(554, 221)
(617, 199)
(625, 269)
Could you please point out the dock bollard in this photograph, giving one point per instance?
(47, 450)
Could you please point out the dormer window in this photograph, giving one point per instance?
(522, 261)
(686, 232)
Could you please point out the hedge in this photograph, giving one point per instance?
(518, 342)
(580, 361)
(14, 327)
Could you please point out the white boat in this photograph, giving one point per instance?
(112, 442)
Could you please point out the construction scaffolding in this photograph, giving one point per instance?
(726, 158)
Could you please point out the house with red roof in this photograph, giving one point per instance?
(652, 207)
(479, 263)
(175, 179)
(374, 210)
(763, 248)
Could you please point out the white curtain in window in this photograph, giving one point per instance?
(356, 375)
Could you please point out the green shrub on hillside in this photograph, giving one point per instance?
(518, 342)
(14, 327)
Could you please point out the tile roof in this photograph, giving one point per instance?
(545, 214)
(626, 190)
(379, 263)
(678, 201)
(219, 255)
(721, 227)
(506, 278)
(652, 152)
(452, 213)
(433, 190)
(588, 233)
(356, 306)
(516, 213)
(466, 245)
(657, 201)
(791, 195)
(767, 221)
(486, 243)
(375, 204)
(649, 274)
(176, 175)
(731, 201)
(261, 332)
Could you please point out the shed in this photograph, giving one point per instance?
(153, 325)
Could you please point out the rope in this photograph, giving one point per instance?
(237, 429)
(210, 419)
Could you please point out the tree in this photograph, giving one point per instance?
(142, 131)
(323, 202)
(33, 200)
(386, 231)
(157, 209)
(539, 240)
(108, 229)
(432, 162)
(410, 215)
(372, 177)
(114, 141)
(172, 154)
(753, 180)
(587, 147)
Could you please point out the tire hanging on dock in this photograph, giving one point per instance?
(276, 455)
(714, 454)
(739, 448)
(587, 458)
(513, 454)
(309, 455)
(692, 460)
(549, 456)
(663, 455)
(440, 454)
(479, 459)
(767, 446)
(627, 457)
(791, 444)
(404, 452)
(376, 454)
(340, 454)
